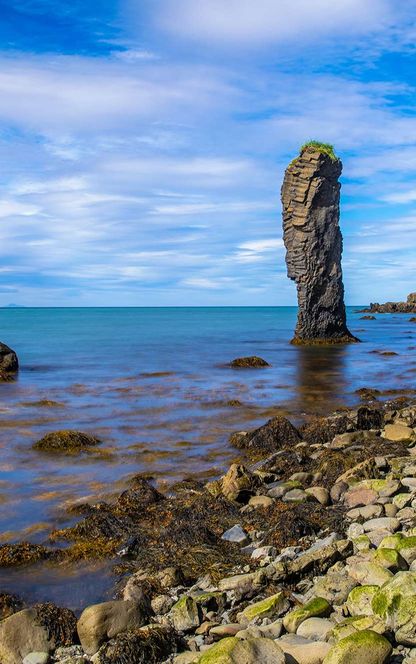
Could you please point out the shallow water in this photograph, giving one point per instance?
(153, 385)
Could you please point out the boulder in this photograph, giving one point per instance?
(147, 645)
(41, 628)
(101, 622)
(369, 418)
(399, 432)
(250, 651)
(359, 600)
(317, 607)
(365, 646)
(395, 603)
(303, 651)
(271, 607)
(239, 484)
(9, 363)
(272, 436)
(315, 629)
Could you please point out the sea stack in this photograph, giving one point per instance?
(313, 241)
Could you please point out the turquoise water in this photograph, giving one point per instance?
(153, 384)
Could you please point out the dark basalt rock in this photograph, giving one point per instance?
(408, 307)
(324, 429)
(313, 241)
(9, 363)
(368, 318)
(369, 418)
(65, 440)
(252, 362)
(272, 436)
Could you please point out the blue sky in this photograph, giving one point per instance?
(143, 145)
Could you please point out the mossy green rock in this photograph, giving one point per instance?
(362, 543)
(359, 600)
(406, 546)
(249, 651)
(402, 500)
(365, 647)
(395, 603)
(370, 574)
(270, 607)
(389, 559)
(185, 614)
(316, 608)
(357, 624)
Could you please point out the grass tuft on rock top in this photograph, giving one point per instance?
(326, 148)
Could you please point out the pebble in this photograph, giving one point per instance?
(36, 658)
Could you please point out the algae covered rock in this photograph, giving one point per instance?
(357, 624)
(249, 651)
(185, 614)
(366, 646)
(359, 600)
(23, 553)
(41, 628)
(9, 604)
(65, 440)
(100, 622)
(272, 436)
(147, 645)
(271, 607)
(315, 608)
(252, 362)
(395, 603)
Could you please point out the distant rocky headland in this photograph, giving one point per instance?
(408, 307)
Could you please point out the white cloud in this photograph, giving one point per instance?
(268, 244)
(260, 21)
(408, 196)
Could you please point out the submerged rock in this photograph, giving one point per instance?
(313, 241)
(23, 553)
(252, 362)
(65, 440)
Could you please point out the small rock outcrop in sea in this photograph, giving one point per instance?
(252, 362)
(9, 363)
(408, 307)
(65, 440)
(313, 241)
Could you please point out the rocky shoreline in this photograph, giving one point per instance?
(305, 553)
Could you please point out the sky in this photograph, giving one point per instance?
(143, 145)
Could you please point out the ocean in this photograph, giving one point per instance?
(153, 384)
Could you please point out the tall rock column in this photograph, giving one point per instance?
(313, 241)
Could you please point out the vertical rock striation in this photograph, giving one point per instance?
(313, 241)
